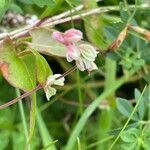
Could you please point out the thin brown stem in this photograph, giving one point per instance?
(68, 72)
(21, 97)
(38, 87)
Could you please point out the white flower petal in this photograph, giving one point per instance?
(84, 64)
(49, 91)
(52, 80)
(60, 81)
(80, 64)
(88, 52)
(93, 66)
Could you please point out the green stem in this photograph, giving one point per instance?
(131, 115)
(79, 92)
(90, 109)
(110, 75)
(32, 117)
(22, 116)
(79, 143)
(105, 118)
(149, 103)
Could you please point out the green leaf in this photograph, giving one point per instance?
(94, 26)
(13, 68)
(139, 62)
(3, 7)
(146, 139)
(39, 3)
(16, 8)
(42, 42)
(130, 135)
(124, 13)
(129, 146)
(4, 139)
(26, 1)
(125, 108)
(117, 130)
(51, 8)
(131, 139)
(43, 70)
(6, 127)
(2, 4)
(29, 59)
(141, 106)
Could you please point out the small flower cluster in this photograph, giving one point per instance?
(83, 54)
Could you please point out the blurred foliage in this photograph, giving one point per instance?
(60, 118)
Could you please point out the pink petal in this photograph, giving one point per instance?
(58, 36)
(73, 35)
(73, 53)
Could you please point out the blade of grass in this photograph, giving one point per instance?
(45, 136)
(106, 115)
(49, 145)
(79, 144)
(100, 142)
(32, 118)
(22, 117)
(79, 92)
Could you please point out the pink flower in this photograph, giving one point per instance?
(68, 37)
(73, 52)
(58, 36)
(73, 35)
(83, 54)
(87, 57)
